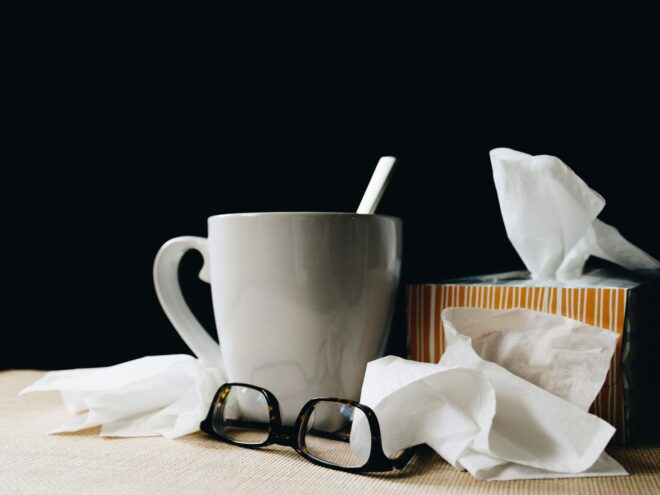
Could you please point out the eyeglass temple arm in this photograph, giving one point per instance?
(287, 429)
(403, 459)
(257, 425)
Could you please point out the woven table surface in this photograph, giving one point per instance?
(33, 462)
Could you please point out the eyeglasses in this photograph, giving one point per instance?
(334, 433)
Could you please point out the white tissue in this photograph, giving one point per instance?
(550, 217)
(150, 396)
(526, 421)
(496, 423)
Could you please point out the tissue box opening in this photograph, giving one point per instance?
(618, 301)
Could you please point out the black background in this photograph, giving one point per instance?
(128, 125)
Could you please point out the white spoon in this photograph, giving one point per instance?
(377, 185)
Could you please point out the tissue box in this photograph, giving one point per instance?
(618, 301)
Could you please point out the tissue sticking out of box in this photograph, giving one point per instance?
(550, 215)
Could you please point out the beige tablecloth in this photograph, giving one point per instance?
(33, 462)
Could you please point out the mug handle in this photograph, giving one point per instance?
(168, 290)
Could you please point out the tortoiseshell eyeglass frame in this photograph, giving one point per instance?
(294, 437)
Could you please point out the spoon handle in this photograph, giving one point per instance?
(377, 185)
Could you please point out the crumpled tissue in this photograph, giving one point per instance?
(508, 399)
(150, 396)
(550, 216)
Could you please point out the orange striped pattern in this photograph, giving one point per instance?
(603, 307)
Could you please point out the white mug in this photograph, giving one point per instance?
(302, 301)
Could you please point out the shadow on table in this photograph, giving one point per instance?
(642, 460)
(637, 460)
(423, 461)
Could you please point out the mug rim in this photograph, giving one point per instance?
(305, 213)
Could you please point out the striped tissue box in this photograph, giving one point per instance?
(602, 299)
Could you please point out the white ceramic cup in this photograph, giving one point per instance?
(302, 301)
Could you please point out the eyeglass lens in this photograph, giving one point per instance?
(337, 433)
(243, 416)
